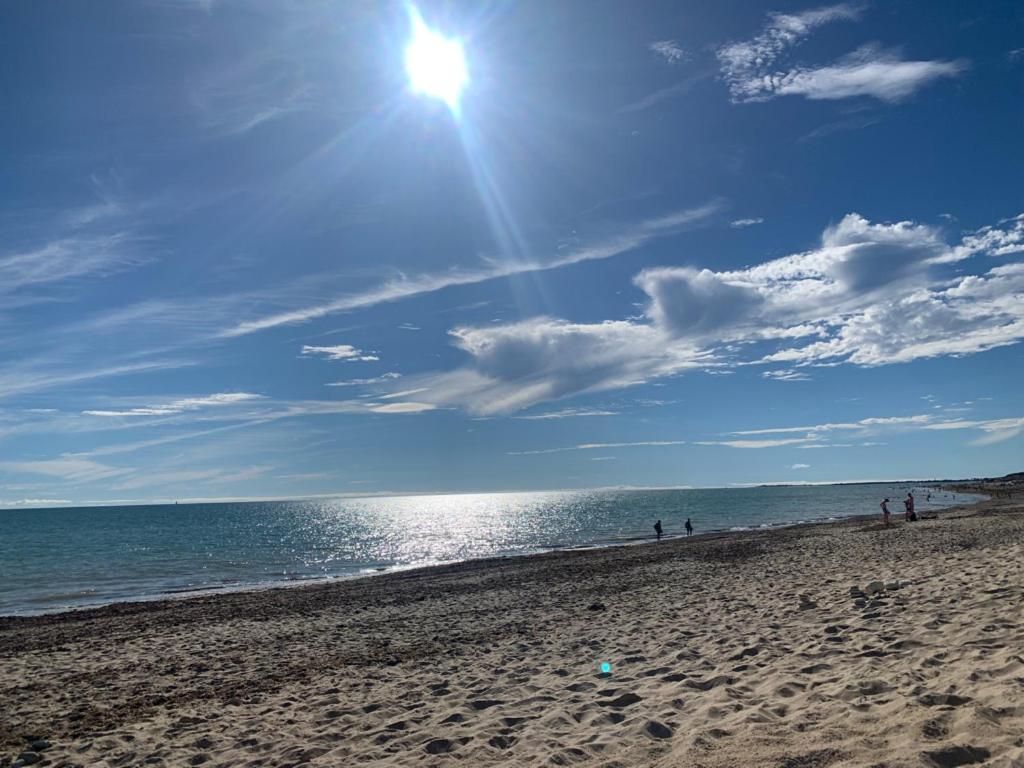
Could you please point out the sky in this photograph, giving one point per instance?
(247, 249)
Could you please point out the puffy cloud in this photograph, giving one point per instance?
(998, 241)
(695, 303)
(753, 70)
(869, 294)
(517, 365)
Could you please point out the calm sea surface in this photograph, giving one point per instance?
(54, 559)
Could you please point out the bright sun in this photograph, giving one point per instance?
(436, 65)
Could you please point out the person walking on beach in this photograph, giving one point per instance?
(657, 529)
(886, 514)
(689, 527)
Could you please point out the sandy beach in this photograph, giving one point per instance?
(740, 649)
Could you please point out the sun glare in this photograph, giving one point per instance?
(436, 65)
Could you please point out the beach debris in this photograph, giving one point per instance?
(28, 758)
(597, 606)
(39, 745)
(874, 588)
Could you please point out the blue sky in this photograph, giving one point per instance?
(672, 244)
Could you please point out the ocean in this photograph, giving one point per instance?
(57, 559)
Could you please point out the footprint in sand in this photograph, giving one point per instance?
(954, 756)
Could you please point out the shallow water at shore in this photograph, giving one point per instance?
(55, 559)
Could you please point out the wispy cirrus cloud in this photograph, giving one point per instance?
(407, 287)
(744, 223)
(756, 70)
(599, 446)
(786, 374)
(994, 430)
(34, 377)
(345, 352)
(382, 379)
(773, 443)
(180, 406)
(567, 413)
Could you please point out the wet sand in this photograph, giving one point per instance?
(735, 649)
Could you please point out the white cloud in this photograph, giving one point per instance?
(670, 51)
(998, 241)
(868, 71)
(787, 374)
(741, 223)
(567, 413)
(65, 259)
(746, 63)
(755, 70)
(180, 406)
(873, 421)
(775, 443)
(33, 502)
(521, 364)
(407, 287)
(69, 469)
(31, 378)
(344, 352)
(869, 294)
(382, 379)
(600, 446)
(995, 430)
(799, 466)
(409, 407)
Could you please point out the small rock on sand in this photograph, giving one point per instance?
(874, 587)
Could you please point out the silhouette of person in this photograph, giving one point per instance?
(689, 527)
(886, 513)
(657, 529)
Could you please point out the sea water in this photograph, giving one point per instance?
(55, 559)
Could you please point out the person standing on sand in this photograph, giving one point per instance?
(886, 515)
(909, 504)
(657, 529)
(689, 527)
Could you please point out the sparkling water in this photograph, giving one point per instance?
(53, 559)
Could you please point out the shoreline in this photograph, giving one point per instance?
(726, 648)
(178, 594)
